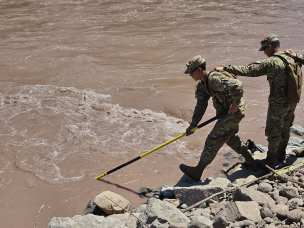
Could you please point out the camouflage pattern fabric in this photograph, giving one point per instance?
(224, 131)
(228, 91)
(280, 113)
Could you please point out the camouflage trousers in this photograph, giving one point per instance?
(224, 131)
(279, 121)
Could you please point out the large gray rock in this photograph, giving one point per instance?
(246, 194)
(87, 221)
(298, 130)
(237, 211)
(159, 214)
(127, 219)
(194, 194)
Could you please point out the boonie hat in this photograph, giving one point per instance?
(194, 63)
(268, 40)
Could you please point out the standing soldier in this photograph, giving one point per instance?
(227, 93)
(280, 113)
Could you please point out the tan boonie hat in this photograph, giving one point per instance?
(194, 63)
(268, 40)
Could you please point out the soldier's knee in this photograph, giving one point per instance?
(273, 131)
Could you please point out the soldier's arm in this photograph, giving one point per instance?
(254, 69)
(199, 110)
(223, 83)
(297, 57)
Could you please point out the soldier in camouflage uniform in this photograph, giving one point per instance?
(280, 113)
(227, 93)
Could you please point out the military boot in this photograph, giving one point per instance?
(281, 152)
(194, 173)
(270, 159)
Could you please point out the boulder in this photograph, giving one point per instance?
(295, 141)
(246, 194)
(174, 202)
(161, 214)
(194, 194)
(108, 201)
(88, 221)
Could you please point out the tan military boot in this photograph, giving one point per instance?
(194, 173)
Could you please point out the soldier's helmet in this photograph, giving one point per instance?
(268, 40)
(194, 63)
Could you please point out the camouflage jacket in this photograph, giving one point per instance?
(276, 73)
(227, 91)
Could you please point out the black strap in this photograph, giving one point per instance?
(286, 63)
(207, 86)
(283, 59)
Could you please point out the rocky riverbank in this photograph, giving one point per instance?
(244, 199)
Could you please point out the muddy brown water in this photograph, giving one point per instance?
(88, 85)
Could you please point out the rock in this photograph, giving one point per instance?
(234, 211)
(280, 210)
(88, 221)
(266, 212)
(295, 201)
(244, 223)
(194, 194)
(161, 214)
(215, 207)
(220, 222)
(174, 202)
(177, 225)
(298, 130)
(245, 194)
(141, 208)
(268, 220)
(127, 219)
(295, 141)
(295, 215)
(226, 164)
(110, 207)
(265, 187)
(200, 222)
(289, 192)
(202, 212)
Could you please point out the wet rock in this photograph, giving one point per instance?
(200, 222)
(106, 199)
(226, 164)
(245, 194)
(265, 187)
(295, 215)
(161, 214)
(289, 192)
(266, 212)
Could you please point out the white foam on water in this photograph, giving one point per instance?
(55, 129)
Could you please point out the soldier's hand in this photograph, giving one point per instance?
(233, 108)
(291, 53)
(188, 131)
(219, 68)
